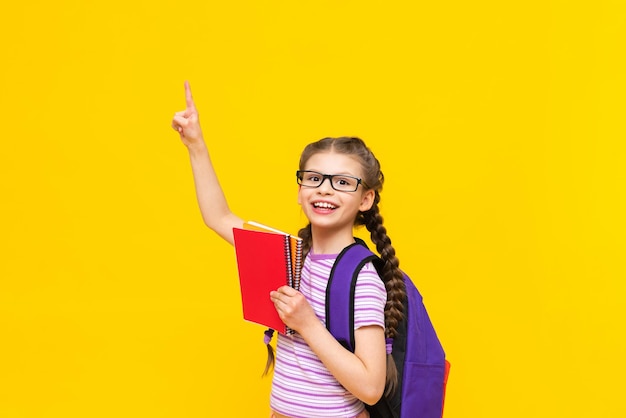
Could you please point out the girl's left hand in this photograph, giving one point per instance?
(293, 308)
(187, 122)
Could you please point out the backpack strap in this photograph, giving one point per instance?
(340, 291)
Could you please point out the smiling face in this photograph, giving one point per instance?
(326, 208)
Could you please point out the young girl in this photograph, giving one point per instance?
(314, 375)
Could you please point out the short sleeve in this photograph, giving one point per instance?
(370, 298)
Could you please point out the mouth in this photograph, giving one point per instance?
(324, 206)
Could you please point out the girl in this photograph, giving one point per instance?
(314, 375)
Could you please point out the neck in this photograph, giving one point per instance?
(331, 242)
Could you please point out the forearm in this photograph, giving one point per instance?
(213, 206)
(362, 373)
(211, 199)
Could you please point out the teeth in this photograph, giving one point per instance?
(324, 205)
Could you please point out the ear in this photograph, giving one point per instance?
(367, 200)
(299, 200)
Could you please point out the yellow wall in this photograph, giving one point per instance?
(500, 127)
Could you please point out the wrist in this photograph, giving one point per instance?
(197, 147)
(311, 330)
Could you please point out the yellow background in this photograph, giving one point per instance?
(500, 126)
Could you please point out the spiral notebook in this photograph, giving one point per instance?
(266, 260)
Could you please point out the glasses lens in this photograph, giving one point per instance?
(309, 178)
(345, 183)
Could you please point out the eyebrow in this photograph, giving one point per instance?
(333, 174)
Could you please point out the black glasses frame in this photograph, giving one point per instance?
(300, 175)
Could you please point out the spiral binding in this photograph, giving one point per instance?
(289, 271)
(297, 271)
(294, 261)
(288, 258)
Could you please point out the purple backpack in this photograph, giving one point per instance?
(416, 350)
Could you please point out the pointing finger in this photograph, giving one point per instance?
(188, 96)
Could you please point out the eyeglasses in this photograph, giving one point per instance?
(339, 182)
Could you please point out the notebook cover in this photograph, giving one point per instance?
(263, 262)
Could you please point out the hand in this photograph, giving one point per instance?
(187, 122)
(293, 308)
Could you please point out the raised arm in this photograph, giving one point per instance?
(213, 205)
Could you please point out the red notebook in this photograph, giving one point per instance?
(266, 259)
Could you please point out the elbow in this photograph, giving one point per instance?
(372, 394)
(223, 225)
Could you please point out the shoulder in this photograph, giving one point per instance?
(369, 271)
(368, 277)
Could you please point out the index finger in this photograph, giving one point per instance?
(287, 290)
(188, 96)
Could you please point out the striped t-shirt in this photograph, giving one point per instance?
(302, 387)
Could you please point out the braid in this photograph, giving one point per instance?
(307, 239)
(393, 278)
(392, 275)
